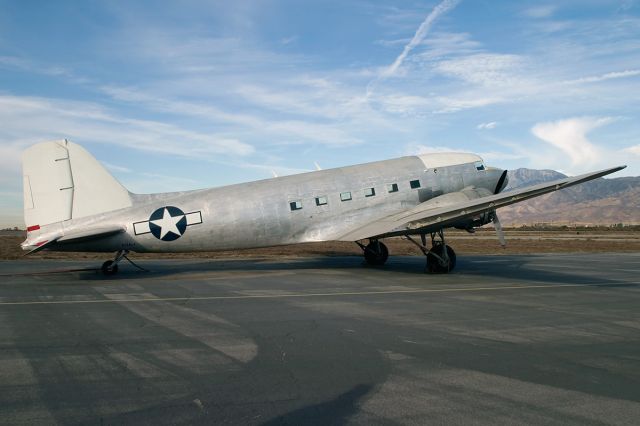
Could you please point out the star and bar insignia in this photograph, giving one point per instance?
(167, 223)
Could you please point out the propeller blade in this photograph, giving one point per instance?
(501, 182)
(499, 231)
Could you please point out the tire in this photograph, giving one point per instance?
(376, 253)
(434, 265)
(109, 268)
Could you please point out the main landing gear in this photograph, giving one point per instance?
(441, 258)
(110, 267)
(375, 253)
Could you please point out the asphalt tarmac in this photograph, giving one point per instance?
(546, 339)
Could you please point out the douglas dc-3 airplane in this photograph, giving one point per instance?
(71, 203)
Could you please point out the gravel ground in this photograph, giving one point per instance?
(519, 241)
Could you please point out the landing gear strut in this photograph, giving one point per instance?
(441, 259)
(375, 253)
(110, 267)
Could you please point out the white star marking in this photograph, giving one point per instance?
(168, 223)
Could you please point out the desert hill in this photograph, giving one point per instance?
(601, 201)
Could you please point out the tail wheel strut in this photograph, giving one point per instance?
(110, 267)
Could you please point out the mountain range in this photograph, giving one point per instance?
(598, 202)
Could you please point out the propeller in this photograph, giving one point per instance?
(502, 182)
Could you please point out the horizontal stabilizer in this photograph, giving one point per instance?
(41, 246)
(79, 236)
(90, 234)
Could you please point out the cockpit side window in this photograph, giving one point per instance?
(479, 165)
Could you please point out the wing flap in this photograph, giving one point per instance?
(448, 209)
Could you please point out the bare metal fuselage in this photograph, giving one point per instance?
(259, 214)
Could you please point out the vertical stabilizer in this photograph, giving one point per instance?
(63, 181)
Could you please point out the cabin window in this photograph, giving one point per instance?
(295, 205)
(321, 201)
(415, 184)
(479, 165)
(369, 192)
(392, 187)
(345, 196)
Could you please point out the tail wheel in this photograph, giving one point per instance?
(109, 268)
(376, 253)
(438, 262)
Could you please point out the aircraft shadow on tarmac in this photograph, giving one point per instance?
(335, 411)
(514, 268)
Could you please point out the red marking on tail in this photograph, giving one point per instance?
(41, 243)
(33, 228)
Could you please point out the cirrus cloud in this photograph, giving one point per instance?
(570, 136)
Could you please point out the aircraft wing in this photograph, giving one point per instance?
(451, 208)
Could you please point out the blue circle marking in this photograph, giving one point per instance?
(168, 223)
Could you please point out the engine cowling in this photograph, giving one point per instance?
(475, 222)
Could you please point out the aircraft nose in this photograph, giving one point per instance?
(503, 180)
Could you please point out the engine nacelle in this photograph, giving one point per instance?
(476, 221)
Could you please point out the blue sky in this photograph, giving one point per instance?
(191, 94)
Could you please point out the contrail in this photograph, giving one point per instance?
(420, 34)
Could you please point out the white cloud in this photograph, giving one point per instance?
(10, 161)
(403, 104)
(393, 43)
(299, 132)
(570, 136)
(485, 69)
(455, 104)
(416, 149)
(487, 126)
(116, 168)
(500, 156)
(37, 119)
(140, 182)
(605, 77)
(300, 100)
(22, 64)
(288, 40)
(444, 44)
(329, 103)
(635, 150)
(542, 11)
(420, 34)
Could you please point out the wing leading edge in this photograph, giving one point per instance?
(448, 209)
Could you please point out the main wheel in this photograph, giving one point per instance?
(436, 262)
(109, 268)
(376, 253)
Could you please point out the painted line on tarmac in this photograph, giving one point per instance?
(303, 295)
